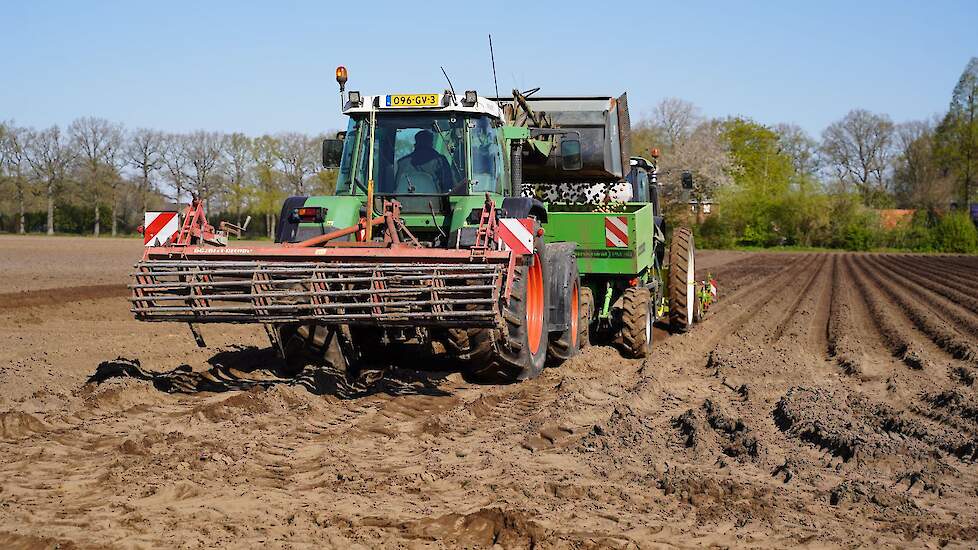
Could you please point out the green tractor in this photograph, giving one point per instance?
(504, 233)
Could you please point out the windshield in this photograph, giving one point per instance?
(429, 154)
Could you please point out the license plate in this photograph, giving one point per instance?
(413, 100)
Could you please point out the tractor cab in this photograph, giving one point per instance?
(419, 145)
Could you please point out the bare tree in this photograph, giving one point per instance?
(801, 147)
(268, 179)
(144, 151)
(173, 154)
(676, 118)
(918, 180)
(98, 143)
(959, 131)
(50, 155)
(203, 155)
(859, 148)
(238, 167)
(704, 153)
(297, 154)
(14, 162)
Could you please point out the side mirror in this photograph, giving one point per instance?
(687, 179)
(332, 151)
(570, 154)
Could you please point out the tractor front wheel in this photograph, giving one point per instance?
(520, 351)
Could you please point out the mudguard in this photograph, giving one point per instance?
(558, 272)
(286, 231)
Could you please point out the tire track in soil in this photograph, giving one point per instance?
(796, 317)
(819, 329)
(763, 292)
(923, 395)
(947, 270)
(967, 265)
(842, 345)
(896, 333)
(938, 330)
(949, 309)
(931, 278)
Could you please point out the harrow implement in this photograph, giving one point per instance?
(362, 293)
(394, 282)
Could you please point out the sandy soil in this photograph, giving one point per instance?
(827, 401)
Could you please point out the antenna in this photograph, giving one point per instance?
(449, 83)
(493, 58)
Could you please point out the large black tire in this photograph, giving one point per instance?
(637, 318)
(682, 282)
(567, 343)
(296, 345)
(305, 345)
(519, 352)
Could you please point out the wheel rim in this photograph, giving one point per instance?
(534, 305)
(648, 327)
(690, 289)
(575, 315)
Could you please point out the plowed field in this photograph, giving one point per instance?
(828, 400)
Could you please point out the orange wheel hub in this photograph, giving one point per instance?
(534, 305)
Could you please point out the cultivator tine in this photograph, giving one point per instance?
(139, 291)
(379, 285)
(198, 303)
(258, 288)
(198, 337)
(320, 287)
(436, 285)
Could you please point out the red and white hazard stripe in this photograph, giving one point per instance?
(517, 234)
(159, 227)
(616, 231)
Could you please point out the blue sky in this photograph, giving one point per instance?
(268, 67)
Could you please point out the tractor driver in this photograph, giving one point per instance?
(424, 171)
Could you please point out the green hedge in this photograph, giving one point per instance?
(838, 221)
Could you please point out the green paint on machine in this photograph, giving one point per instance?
(610, 253)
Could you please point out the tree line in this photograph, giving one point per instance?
(771, 184)
(94, 173)
(777, 185)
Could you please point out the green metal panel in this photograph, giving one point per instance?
(341, 210)
(515, 132)
(594, 256)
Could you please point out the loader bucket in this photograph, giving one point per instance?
(383, 286)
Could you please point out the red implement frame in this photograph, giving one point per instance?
(390, 282)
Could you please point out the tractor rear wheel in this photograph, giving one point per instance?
(520, 351)
(637, 317)
(682, 282)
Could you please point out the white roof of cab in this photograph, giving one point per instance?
(484, 106)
